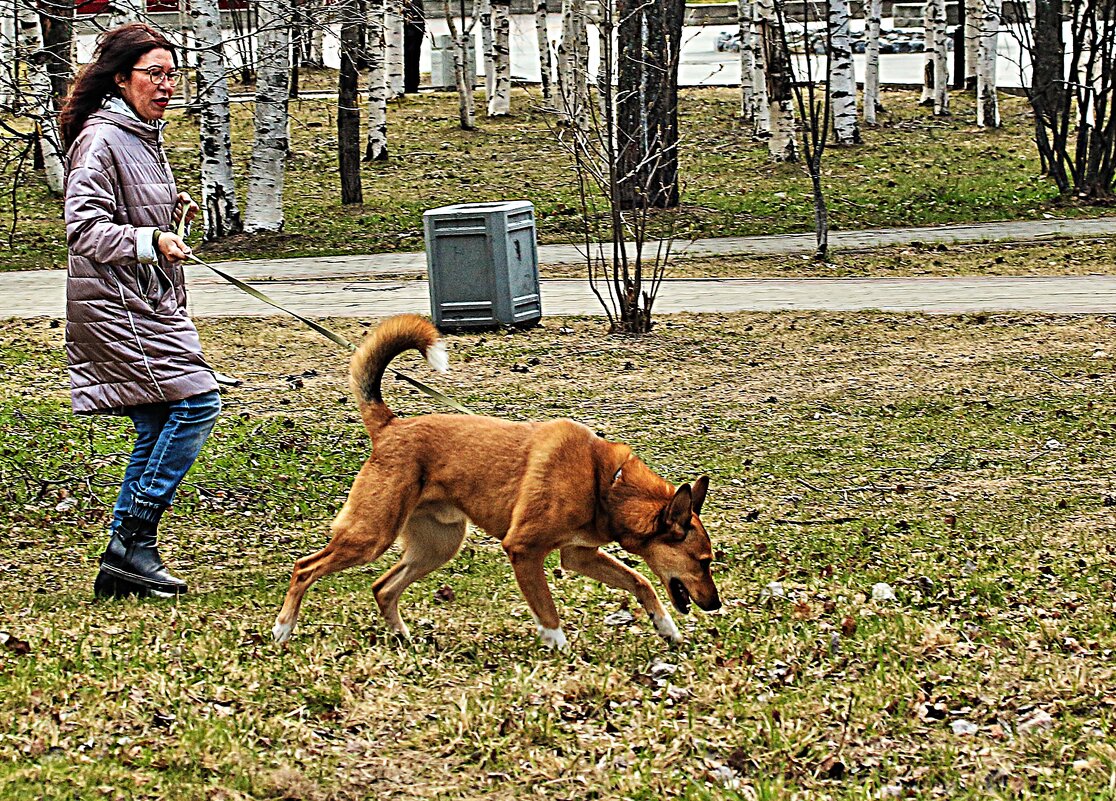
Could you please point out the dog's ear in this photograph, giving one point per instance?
(701, 486)
(678, 512)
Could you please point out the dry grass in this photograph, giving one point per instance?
(964, 461)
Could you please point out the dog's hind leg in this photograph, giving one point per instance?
(604, 568)
(365, 527)
(430, 539)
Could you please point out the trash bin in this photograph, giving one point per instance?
(483, 266)
(441, 63)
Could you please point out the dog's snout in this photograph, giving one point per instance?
(712, 604)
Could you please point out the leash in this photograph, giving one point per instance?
(325, 332)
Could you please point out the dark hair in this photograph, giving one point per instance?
(117, 52)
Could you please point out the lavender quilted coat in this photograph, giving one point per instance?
(129, 340)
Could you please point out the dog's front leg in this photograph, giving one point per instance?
(527, 562)
(608, 570)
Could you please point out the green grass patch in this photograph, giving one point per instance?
(963, 461)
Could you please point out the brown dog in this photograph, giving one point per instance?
(537, 487)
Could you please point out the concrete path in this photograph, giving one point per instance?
(355, 286)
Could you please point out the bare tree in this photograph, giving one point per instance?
(814, 109)
(625, 264)
(1073, 102)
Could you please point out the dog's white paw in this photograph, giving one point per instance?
(553, 638)
(666, 628)
(281, 632)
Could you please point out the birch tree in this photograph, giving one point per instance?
(348, 110)
(745, 18)
(220, 212)
(573, 64)
(377, 146)
(264, 209)
(8, 72)
(842, 80)
(974, 10)
(873, 10)
(31, 51)
(762, 11)
(779, 82)
(928, 34)
(466, 108)
(488, 52)
(393, 46)
(546, 66)
(940, 57)
(988, 109)
(499, 104)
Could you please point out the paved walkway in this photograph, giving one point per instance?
(355, 286)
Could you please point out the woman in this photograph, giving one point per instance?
(131, 347)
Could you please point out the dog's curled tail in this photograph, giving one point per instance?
(392, 337)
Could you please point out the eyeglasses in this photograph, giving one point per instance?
(157, 75)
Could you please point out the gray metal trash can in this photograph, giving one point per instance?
(483, 265)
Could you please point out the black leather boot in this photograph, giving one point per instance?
(131, 563)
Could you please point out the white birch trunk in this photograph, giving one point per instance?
(40, 98)
(264, 209)
(873, 10)
(121, 12)
(974, 11)
(573, 64)
(928, 32)
(488, 52)
(988, 108)
(466, 107)
(546, 67)
(315, 17)
(746, 13)
(842, 79)
(941, 59)
(393, 46)
(220, 213)
(8, 73)
(377, 149)
(500, 103)
(764, 14)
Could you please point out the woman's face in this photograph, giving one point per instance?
(149, 99)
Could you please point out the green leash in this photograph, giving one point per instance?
(321, 329)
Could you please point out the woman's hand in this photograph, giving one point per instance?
(172, 247)
(185, 204)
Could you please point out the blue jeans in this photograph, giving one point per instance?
(169, 437)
